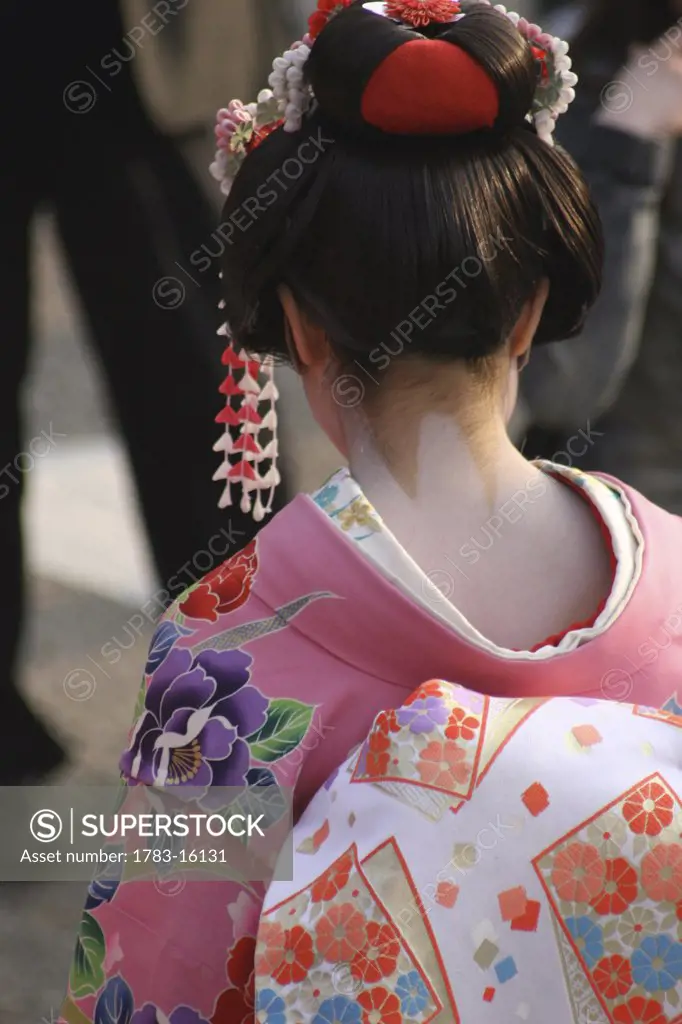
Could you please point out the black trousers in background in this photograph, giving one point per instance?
(126, 211)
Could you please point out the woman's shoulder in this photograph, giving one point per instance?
(196, 684)
(218, 706)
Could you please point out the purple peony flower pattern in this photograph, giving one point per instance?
(200, 725)
(198, 712)
(424, 715)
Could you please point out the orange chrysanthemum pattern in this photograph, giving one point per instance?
(342, 939)
(620, 887)
(662, 873)
(297, 958)
(617, 912)
(613, 976)
(579, 872)
(379, 1006)
(340, 933)
(649, 810)
(379, 956)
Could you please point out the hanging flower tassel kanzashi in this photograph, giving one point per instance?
(244, 456)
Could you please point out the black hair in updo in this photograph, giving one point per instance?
(364, 226)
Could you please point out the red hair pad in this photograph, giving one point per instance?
(430, 87)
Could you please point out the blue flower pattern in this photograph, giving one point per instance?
(269, 1003)
(412, 992)
(338, 1010)
(657, 964)
(588, 938)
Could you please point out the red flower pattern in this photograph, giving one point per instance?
(333, 880)
(236, 1005)
(640, 1010)
(379, 957)
(649, 810)
(620, 887)
(578, 873)
(224, 589)
(430, 689)
(241, 963)
(461, 726)
(613, 976)
(443, 765)
(233, 1007)
(378, 746)
(662, 873)
(340, 933)
(298, 957)
(387, 722)
(420, 13)
(270, 949)
(380, 1006)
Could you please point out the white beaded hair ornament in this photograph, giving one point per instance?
(241, 128)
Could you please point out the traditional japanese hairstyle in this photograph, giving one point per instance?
(419, 88)
(403, 69)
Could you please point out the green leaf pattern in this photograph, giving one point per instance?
(87, 969)
(286, 724)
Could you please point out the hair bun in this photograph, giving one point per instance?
(369, 71)
(391, 102)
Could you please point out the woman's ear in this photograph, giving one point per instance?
(308, 343)
(313, 358)
(522, 336)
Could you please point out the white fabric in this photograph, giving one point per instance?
(520, 861)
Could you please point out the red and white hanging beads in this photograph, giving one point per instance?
(244, 394)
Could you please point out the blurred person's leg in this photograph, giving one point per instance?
(126, 222)
(26, 749)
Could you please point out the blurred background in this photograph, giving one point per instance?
(106, 429)
(90, 567)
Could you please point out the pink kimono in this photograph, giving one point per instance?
(292, 649)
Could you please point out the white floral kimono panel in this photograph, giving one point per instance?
(486, 861)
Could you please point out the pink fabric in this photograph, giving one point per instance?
(356, 645)
(381, 633)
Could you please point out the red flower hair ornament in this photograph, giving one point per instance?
(426, 86)
(420, 13)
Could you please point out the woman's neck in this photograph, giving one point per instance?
(436, 492)
(489, 529)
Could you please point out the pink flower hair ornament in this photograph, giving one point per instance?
(240, 128)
